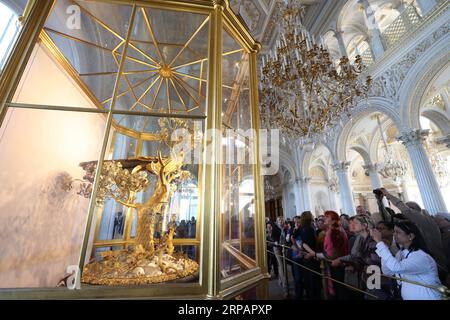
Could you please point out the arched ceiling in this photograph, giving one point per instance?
(259, 15)
(320, 157)
(320, 17)
(436, 103)
(440, 84)
(347, 16)
(365, 131)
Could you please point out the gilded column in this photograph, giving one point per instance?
(212, 232)
(428, 186)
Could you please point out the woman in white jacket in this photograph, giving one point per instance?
(411, 262)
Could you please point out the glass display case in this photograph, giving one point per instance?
(129, 153)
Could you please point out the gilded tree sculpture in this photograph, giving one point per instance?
(121, 180)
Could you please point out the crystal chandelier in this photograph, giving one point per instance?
(303, 92)
(391, 168)
(438, 163)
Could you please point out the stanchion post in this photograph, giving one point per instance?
(285, 269)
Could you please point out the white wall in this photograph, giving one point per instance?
(43, 226)
(320, 198)
(290, 209)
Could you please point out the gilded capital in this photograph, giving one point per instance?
(413, 137)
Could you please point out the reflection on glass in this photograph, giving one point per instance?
(119, 222)
(42, 211)
(123, 147)
(92, 46)
(238, 199)
(164, 69)
(186, 198)
(10, 27)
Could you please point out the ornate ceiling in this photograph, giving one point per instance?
(321, 16)
(259, 16)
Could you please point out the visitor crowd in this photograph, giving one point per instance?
(387, 255)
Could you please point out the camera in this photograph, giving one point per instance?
(378, 192)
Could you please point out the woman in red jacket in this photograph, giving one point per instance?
(335, 245)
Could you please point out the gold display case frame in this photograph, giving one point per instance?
(210, 285)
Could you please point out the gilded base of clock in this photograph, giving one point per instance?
(124, 267)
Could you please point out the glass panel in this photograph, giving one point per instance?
(238, 200)
(112, 221)
(188, 202)
(58, 88)
(148, 196)
(9, 31)
(93, 27)
(165, 69)
(87, 46)
(235, 88)
(171, 39)
(43, 207)
(91, 38)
